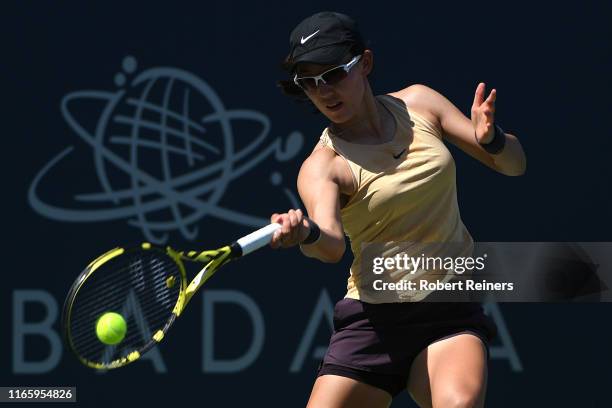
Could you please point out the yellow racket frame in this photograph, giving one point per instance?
(213, 259)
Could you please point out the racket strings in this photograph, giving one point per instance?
(133, 341)
(81, 326)
(142, 323)
(104, 296)
(81, 329)
(102, 292)
(134, 285)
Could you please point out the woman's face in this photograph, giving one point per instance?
(341, 101)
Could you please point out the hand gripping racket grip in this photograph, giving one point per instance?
(257, 239)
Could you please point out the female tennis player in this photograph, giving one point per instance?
(381, 173)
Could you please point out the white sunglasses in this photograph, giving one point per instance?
(329, 77)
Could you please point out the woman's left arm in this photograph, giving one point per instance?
(470, 136)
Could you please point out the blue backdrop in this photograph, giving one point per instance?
(83, 83)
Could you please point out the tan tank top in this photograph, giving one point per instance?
(405, 203)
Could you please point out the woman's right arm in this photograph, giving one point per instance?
(319, 188)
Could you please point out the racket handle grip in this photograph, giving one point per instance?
(257, 239)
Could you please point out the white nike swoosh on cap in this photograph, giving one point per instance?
(303, 40)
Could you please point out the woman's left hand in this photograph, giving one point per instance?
(483, 114)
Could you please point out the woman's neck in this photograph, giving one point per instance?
(369, 125)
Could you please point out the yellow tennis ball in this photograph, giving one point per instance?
(111, 328)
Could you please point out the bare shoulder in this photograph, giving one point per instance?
(324, 164)
(421, 99)
(320, 160)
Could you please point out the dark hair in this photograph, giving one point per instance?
(289, 88)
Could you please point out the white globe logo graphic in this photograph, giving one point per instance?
(164, 154)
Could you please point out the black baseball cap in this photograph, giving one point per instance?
(323, 38)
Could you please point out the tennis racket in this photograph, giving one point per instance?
(147, 286)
